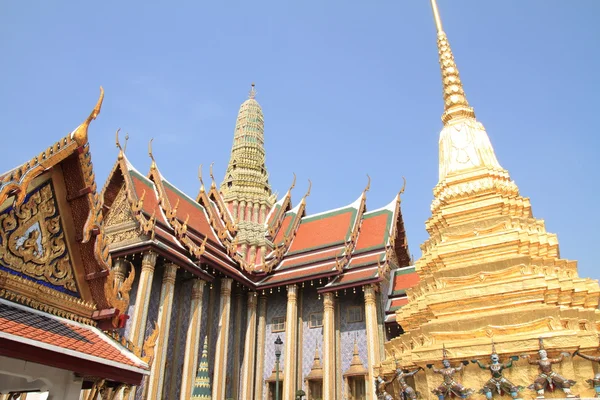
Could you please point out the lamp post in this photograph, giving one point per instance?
(278, 344)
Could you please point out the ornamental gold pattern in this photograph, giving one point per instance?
(489, 269)
(32, 241)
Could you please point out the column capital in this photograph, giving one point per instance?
(170, 273)
(149, 260)
(370, 294)
(198, 289)
(252, 299)
(292, 291)
(226, 286)
(328, 300)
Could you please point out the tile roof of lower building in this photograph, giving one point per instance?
(46, 331)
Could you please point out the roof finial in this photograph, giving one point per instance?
(80, 134)
(309, 187)
(212, 177)
(153, 165)
(293, 183)
(121, 152)
(252, 92)
(368, 184)
(456, 105)
(200, 178)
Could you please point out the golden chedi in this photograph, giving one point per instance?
(489, 270)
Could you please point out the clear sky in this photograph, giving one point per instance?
(347, 88)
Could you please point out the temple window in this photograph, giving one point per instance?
(278, 324)
(356, 388)
(355, 314)
(316, 320)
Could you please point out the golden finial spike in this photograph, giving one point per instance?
(153, 165)
(456, 105)
(200, 178)
(368, 184)
(309, 187)
(403, 186)
(252, 92)
(81, 133)
(436, 16)
(293, 183)
(119, 144)
(212, 177)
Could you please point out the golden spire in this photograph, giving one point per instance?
(252, 93)
(456, 105)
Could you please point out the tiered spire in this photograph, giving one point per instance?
(202, 383)
(464, 143)
(246, 188)
(246, 177)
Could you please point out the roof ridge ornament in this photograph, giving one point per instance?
(456, 105)
(368, 184)
(153, 165)
(212, 177)
(200, 178)
(80, 134)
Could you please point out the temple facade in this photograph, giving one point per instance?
(236, 268)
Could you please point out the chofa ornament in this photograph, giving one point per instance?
(450, 386)
(547, 378)
(498, 383)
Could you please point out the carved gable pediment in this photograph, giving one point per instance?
(33, 244)
(120, 224)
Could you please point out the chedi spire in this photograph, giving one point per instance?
(464, 143)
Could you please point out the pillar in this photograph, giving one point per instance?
(157, 376)
(289, 358)
(328, 347)
(237, 339)
(260, 347)
(220, 366)
(373, 355)
(249, 350)
(120, 269)
(142, 300)
(192, 342)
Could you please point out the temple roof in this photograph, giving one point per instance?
(401, 280)
(22, 327)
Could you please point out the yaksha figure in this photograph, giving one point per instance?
(547, 377)
(498, 383)
(407, 391)
(450, 386)
(381, 387)
(596, 381)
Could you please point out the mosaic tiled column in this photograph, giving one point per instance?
(373, 355)
(260, 347)
(142, 300)
(192, 342)
(137, 329)
(220, 366)
(328, 347)
(157, 376)
(237, 339)
(289, 358)
(249, 350)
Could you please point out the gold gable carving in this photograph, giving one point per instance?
(120, 223)
(32, 240)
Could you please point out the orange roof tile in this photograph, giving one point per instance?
(374, 231)
(403, 279)
(18, 323)
(323, 230)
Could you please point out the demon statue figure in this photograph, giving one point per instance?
(596, 381)
(547, 377)
(407, 392)
(381, 386)
(450, 386)
(498, 382)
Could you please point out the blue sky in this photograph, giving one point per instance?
(347, 88)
